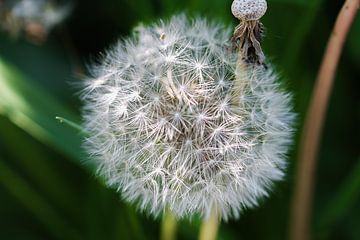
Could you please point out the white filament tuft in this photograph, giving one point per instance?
(175, 122)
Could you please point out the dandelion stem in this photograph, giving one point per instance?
(209, 228)
(71, 124)
(168, 226)
(302, 201)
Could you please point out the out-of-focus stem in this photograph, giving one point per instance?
(303, 195)
(72, 124)
(168, 226)
(209, 228)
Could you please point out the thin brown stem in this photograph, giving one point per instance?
(303, 195)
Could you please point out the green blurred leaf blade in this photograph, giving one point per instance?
(34, 110)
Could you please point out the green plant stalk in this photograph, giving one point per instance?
(72, 124)
(302, 200)
(168, 226)
(210, 227)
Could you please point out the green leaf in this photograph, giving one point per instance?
(30, 107)
(41, 169)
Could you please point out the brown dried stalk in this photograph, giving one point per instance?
(303, 195)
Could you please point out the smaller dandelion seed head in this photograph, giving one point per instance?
(248, 9)
(32, 16)
(187, 134)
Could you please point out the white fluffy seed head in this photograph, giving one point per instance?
(247, 10)
(175, 123)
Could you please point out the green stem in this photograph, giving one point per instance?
(168, 226)
(210, 227)
(72, 124)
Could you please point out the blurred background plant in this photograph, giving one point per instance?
(33, 17)
(48, 190)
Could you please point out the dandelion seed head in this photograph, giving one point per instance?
(248, 9)
(190, 133)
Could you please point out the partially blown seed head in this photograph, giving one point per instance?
(175, 122)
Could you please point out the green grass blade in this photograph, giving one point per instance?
(32, 109)
(41, 169)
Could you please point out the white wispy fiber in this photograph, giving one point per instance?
(176, 122)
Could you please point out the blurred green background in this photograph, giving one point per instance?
(48, 191)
